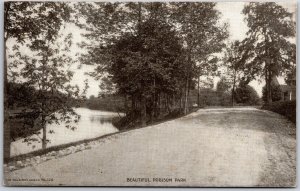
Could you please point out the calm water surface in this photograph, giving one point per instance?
(93, 123)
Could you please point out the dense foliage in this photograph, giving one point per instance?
(147, 68)
(285, 108)
(270, 50)
(275, 93)
(44, 66)
(247, 95)
(153, 52)
(113, 103)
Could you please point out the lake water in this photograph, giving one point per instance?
(93, 123)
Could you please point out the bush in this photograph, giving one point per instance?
(23, 125)
(246, 95)
(285, 108)
(132, 119)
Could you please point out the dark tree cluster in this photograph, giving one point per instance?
(152, 52)
(267, 51)
(271, 52)
(148, 68)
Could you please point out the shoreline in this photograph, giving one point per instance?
(57, 148)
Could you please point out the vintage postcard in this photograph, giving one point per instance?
(168, 94)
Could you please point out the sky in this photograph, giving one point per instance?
(231, 12)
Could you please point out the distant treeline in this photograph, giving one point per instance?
(113, 103)
(243, 96)
(208, 97)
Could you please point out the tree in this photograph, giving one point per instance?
(23, 20)
(246, 94)
(201, 35)
(275, 93)
(223, 91)
(147, 66)
(272, 53)
(196, 24)
(92, 97)
(290, 78)
(46, 70)
(207, 67)
(236, 56)
(105, 23)
(17, 93)
(223, 86)
(122, 19)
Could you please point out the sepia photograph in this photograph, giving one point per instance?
(149, 94)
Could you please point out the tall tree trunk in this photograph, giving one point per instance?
(267, 68)
(168, 104)
(187, 85)
(158, 105)
(133, 105)
(185, 110)
(180, 102)
(270, 87)
(143, 111)
(153, 102)
(6, 127)
(126, 104)
(188, 95)
(198, 93)
(233, 88)
(44, 139)
(6, 113)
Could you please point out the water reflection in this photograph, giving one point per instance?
(102, 119)
(93, 123)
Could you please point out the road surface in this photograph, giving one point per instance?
(211, 147)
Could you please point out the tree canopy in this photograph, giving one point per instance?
(37, 25)
(271, 51)
(153, 32)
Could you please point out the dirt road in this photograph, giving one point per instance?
(211, 147)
